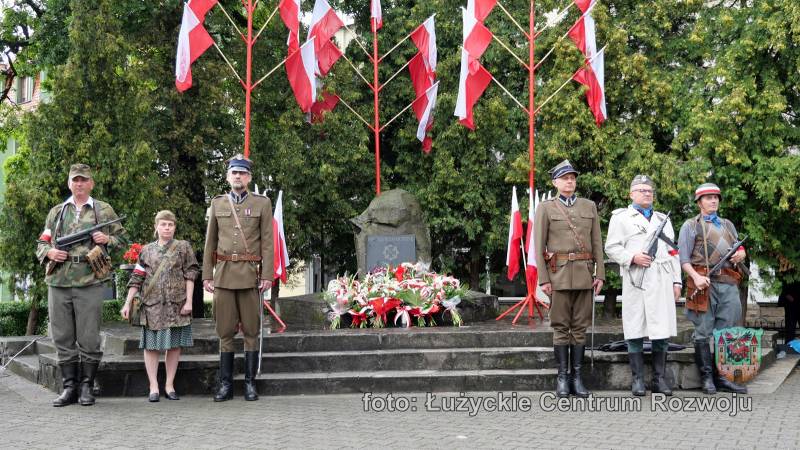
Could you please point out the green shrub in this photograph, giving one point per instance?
(14, 318)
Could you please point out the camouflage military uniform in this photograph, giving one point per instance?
(75, 295)
(164, 300)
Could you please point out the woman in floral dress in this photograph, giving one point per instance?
(166, 296)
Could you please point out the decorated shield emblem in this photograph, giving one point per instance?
(738, 353)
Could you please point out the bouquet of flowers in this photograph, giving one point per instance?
(132, 255)
(409, 293)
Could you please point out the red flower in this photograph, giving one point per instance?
(132, 255)
(398, 274)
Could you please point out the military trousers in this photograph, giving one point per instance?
(724, 311)
(75, 315)
(232, 307)
(570, 315)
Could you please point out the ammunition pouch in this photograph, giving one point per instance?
(99, 261)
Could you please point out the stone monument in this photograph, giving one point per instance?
(392, 221)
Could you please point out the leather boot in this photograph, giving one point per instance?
(225, 391)
(69, 380)
(702, 357)
(723, 384)
(88, 372)
(250, 369)
(660, 385)
(637, 373)
(562, 380)
(576, 384)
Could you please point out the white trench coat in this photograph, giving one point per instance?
(649, 311)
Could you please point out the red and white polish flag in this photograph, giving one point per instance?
(424, 38)
(426, 121)
(583, 31)
(514, 237)
(193, 40)
(290, 14)
(422, 68)
(593, 76)
(300, 67)
(376, 15)
(324, 24)
(531, 271)
(473, 78)
(280, 253)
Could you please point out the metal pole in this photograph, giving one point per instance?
(377, 124)
(531, 92)
(248, 87)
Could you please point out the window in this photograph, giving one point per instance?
(24, 89)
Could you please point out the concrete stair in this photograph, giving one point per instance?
(484, 356)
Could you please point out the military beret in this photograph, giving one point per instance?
(643, 179)
(166, 215)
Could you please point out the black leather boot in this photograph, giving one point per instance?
(225, 391)
(69, 380)
(250, 368)
(637, 373)
(88, 372)
(660, 384)
(576, 384)
(702, 357)
(723, 384)
(562, 380)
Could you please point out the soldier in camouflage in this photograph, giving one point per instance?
(75, 294)
(237, 266)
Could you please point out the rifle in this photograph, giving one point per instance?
(71, 240)
(718, 266)
(650, 249)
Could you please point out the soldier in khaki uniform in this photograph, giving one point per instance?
(569, 251)
(74, 292)
(237, 266)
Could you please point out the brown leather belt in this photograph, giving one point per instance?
(236, 257)
(573, 256)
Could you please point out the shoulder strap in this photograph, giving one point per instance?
(158, 271)
(571, 225)
(238, 224)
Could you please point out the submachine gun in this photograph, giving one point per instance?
(71, 240)
(650, 249)
(718, 266)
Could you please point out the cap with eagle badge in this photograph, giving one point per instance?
(239, 163)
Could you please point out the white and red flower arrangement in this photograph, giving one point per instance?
(404, 294)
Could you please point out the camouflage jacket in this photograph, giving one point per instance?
(163, 297)
(61, 223)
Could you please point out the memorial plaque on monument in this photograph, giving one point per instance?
(390, 250)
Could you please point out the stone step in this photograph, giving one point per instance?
(401, 381)
(382, 339)
(197, 374)
(26, 366)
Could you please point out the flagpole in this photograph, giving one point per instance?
(377, 124)
(248, 88)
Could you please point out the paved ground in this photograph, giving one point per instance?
(28, 421)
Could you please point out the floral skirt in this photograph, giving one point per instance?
(167, 338)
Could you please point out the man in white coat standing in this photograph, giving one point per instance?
(648, 310)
